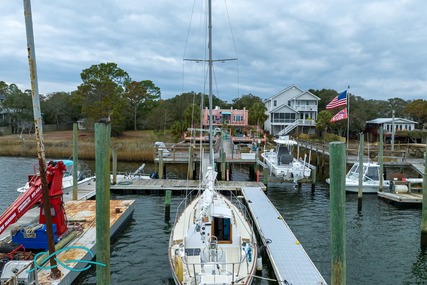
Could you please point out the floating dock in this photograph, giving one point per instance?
(405, 194)
(290, 262)
(81, 217)
(142, 185)
(121, 212)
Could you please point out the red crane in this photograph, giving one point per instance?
(33, 195)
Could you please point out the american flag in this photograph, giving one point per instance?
(341, 115)
(340, 100)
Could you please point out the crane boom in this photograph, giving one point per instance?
(33, 195)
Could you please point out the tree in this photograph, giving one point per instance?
(20, 108)
(55, 108)
(257, 115)
(323, 121)
(178, 128)
(246, 101)
(417, 110)
(192, 116)
(101, 94)
(141, 94)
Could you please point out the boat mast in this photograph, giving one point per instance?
(210, 63)
(38, 129)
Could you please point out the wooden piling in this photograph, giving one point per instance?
(190, 171)
(168, 196)
(313, 179)
(75, 162)
(424, 207)
(360, 192)
(265, 174)
(102, 161)
(223, 157)
(380, 159)
(114, 157)
(161, 163)
(337, 209)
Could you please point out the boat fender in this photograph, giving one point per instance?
(401, 189)
(179, 270)
(259, 263)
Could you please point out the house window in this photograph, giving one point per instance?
(289, 103)
(238, 118)
(274, 103)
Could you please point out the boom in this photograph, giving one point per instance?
(33, 195)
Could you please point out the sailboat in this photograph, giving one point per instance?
(212, 240)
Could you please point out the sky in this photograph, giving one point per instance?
(377, 47)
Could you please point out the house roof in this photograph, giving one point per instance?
(275, 110)
(2, 97)
(283, 91)
(295, 97)
(308, 93)
(380, 121)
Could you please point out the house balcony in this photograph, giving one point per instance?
(300, 122)
(300, 108)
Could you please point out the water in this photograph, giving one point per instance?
(382, 241)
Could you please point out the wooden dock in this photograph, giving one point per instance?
(290, 262)
(143, 185)
(404, 193)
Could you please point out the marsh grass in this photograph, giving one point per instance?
(131, 146)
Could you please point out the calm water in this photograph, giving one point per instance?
(382, 241)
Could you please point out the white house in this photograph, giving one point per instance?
(400, 124)
(290, 108)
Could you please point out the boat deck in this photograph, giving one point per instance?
(290, 262)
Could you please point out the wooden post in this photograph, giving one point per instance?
(102, 161)
(75, 162)
(424, 208)
(223, 157)
(168, 205)
(337, 209)
(190, 171)
(380, 158)
(265, 174)
(313, 179)
(114, 155)
(161, 163)
(360, 192)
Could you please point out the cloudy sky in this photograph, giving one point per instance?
(378, 47)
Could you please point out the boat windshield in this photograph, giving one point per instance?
(371, 173)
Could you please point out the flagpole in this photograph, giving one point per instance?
(348, 115)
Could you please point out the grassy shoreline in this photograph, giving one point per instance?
(135, 146)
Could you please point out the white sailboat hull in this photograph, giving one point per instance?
(208, 254)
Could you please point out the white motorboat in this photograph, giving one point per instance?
(281, 162)
(83, 176)
(370, 180)
(212, 241)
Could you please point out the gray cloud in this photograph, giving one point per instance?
(377, 47)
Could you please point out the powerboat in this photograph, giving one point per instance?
(370, 180)
(83, 175)
(281, 162)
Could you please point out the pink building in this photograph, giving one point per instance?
(229, 117)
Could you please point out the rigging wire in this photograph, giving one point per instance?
(235, 48)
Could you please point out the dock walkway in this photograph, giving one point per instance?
(290, 262)
(175, 184)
